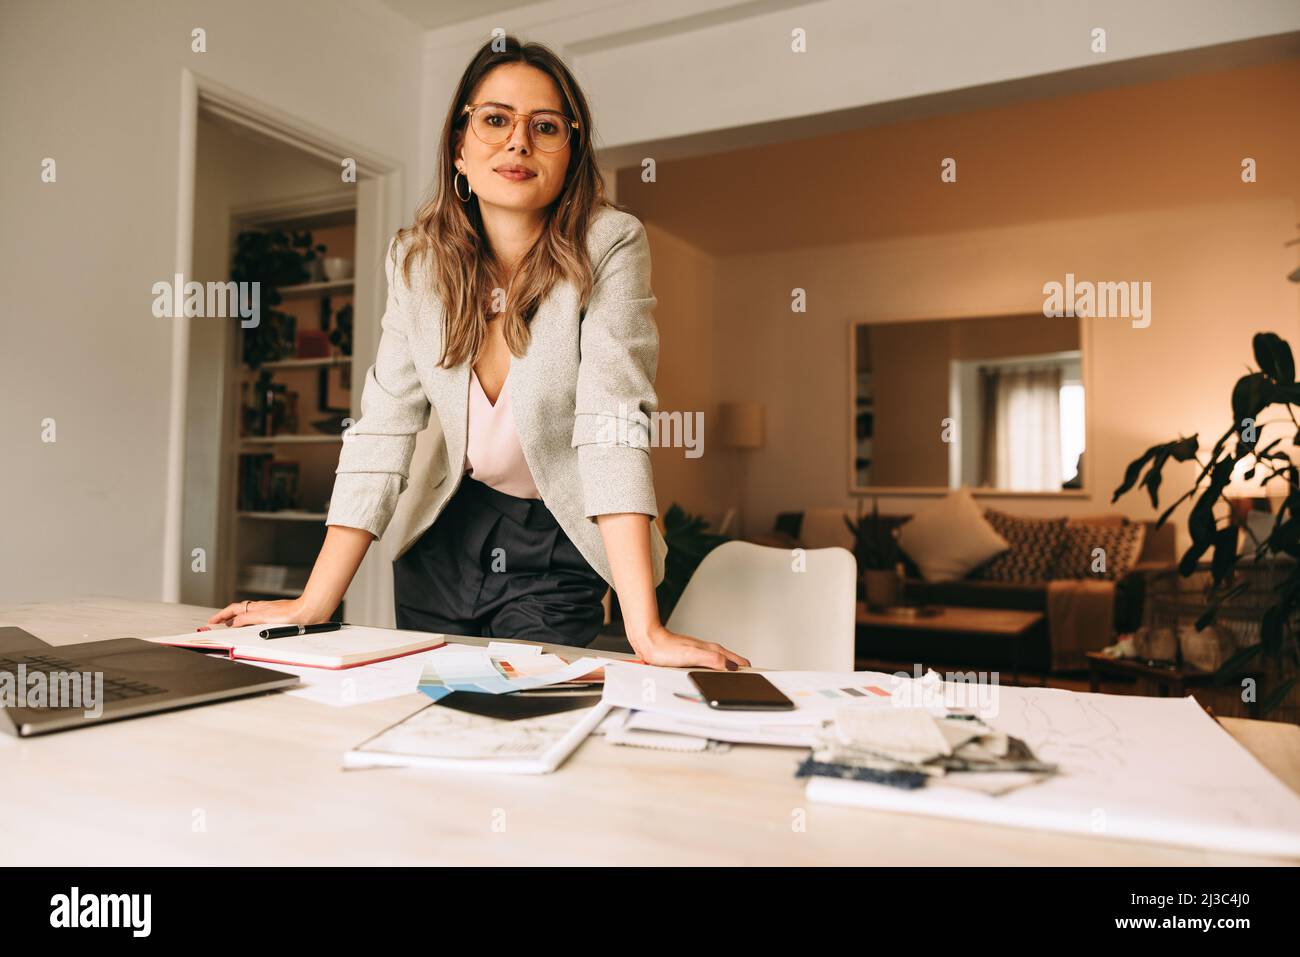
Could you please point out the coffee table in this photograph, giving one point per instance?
(948, 635)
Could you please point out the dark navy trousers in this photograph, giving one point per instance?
(493, 565)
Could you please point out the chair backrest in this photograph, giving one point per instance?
(756, 601)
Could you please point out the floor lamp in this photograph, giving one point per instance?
(741, 428)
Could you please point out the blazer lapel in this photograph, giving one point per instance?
(523, 406)
(448, 388)
(528, 374)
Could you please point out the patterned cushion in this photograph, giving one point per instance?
(1122, 544)
(1036, 545)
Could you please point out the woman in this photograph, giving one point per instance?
(519, 311)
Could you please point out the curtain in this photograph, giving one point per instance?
(1021, 435)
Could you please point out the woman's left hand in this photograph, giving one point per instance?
(671, 650)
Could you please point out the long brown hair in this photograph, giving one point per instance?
(448, 235)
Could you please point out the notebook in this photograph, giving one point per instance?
(349, 647)
(447, 739)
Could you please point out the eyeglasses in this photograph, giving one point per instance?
(492, 123)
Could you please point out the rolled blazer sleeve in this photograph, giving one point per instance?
(616, 401)
(374, 464)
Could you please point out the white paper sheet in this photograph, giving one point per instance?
(1149, 769)
(341, 689)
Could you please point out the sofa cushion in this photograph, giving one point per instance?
(1036, 545)
(950, 538)
(1120, 547)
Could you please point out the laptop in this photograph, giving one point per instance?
(97, 681)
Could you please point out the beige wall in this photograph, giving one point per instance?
(1140, 184)
(682, 280)
(96, 87)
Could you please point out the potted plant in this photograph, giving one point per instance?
(272, 258)
(1250, 446)
(879, 558)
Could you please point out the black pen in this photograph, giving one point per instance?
(293, 631)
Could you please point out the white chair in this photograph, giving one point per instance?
(753, 600)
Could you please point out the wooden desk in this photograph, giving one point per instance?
(258, 781)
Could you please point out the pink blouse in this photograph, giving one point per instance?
(493, 454)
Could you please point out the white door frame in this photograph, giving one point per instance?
(379, 215)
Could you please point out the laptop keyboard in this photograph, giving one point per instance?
(115, 688)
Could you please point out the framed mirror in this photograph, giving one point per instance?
(996, 403)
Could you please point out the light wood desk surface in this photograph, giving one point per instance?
(262, 776)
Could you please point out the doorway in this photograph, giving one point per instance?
(245, 165)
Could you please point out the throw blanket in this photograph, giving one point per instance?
(1080, 617)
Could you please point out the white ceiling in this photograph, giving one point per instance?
(434, 14)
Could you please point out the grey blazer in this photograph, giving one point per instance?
(583, 397)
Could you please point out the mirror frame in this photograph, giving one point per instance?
(863, 491)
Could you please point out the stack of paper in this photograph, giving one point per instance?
(498, 670)
(665, 700)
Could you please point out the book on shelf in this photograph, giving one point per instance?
(268, 578)
(267, 484)
(255, 481)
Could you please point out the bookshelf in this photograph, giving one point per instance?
(284, 418)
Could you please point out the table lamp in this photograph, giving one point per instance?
(740, 427)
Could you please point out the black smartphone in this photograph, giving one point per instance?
(740, 691)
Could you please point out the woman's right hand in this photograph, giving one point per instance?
(288, 611)
(671, 650)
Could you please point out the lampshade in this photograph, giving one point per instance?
(740, 425)
(1241, 487)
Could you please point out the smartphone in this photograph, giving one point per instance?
(740, 691)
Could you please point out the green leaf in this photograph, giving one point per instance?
(1274, 358)
(1184, 449)
(1132, 472)
(1231, 668)
(1271, 628)
(1225, 553)
(1276, 696)
(1181, 450)
(1249, 397)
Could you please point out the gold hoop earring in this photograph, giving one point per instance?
(455, 185)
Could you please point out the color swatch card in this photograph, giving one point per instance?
(477, 670)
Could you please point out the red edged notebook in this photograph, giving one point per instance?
(349, 647)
